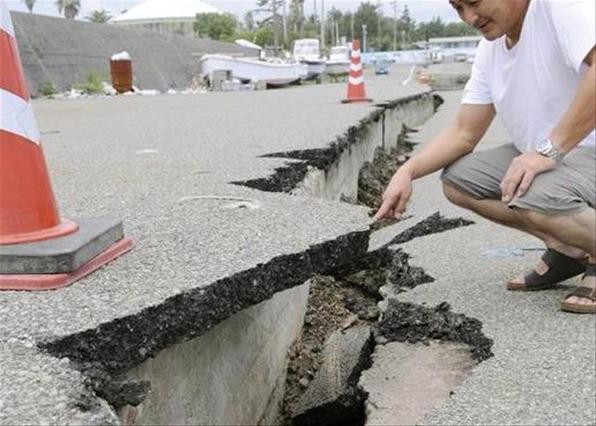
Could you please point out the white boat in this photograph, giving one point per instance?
(307, 52)
(253, 70)
(339, 61)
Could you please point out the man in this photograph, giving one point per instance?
(535, 68)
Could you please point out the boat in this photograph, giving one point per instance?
(338, 64)
(274, 73)
(306, 51)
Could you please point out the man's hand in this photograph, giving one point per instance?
(521, 173)
(395, 197)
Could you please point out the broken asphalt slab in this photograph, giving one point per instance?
(205, 248)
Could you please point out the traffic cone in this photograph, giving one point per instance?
(38, 249)
(356, 91)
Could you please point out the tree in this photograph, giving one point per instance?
(296, 19)
(274, 19)
(216, 26)
(70, 8)
(406, 27)
(334, 22)
(29, 4)
(99, 16)
(249, 21)
(434, 28)
(367, 14)
(264, 36)
(455, 29)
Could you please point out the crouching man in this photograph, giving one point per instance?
(535, 68)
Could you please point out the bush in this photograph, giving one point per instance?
(94, 84)
(46, 88)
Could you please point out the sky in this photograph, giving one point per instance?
(420, 10)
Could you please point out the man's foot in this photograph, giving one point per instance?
(583, 299)
(552, 268)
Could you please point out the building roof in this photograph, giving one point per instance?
(165, 9)
(454, 39)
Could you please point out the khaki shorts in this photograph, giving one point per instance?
(568, 189)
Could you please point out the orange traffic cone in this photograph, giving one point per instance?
(38, 250)
(356, 91)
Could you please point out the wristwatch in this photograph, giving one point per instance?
(546, 148)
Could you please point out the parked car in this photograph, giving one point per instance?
(382, 64)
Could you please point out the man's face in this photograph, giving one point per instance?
(493, 18)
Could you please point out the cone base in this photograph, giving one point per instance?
(349, 101)
(66, 227)
(36, 282)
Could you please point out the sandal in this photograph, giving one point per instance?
(560, 268)
(584, 292)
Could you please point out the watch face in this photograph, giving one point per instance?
(543, 146)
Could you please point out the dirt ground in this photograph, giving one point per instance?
(332, 305)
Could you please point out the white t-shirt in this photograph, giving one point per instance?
(533, 84)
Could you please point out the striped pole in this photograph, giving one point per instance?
(356, 90)
(28, 210)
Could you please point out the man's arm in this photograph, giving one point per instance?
(457, 140)
(580, 118)
(576, 123)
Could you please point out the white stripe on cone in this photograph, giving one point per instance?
(5, 21)
(356, 80)
(356, 53)
(356, 67)
(16, 116)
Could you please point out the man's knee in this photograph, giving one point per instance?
(455, 196)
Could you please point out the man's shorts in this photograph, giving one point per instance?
(568, 189)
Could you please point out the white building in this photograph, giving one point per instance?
(466, 42)
(165, 16)
(450, 49)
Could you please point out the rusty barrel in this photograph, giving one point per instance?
(121, 71)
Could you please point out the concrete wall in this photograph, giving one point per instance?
(233, 375)
(64, 52)
(342, 177)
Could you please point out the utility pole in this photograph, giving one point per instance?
(274, 22)
(322, 24)
(379, 13)
(394, 4)
(352, 26)
(363, 38)
(285, 23)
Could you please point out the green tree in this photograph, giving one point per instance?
(273, 18)
(216, 26)
(99, 16)
(406, 27)
(434, 28)
(249, 21)
(29, 4)
(70, 8)
(367, 14)
(264, 36)
(455, 29)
